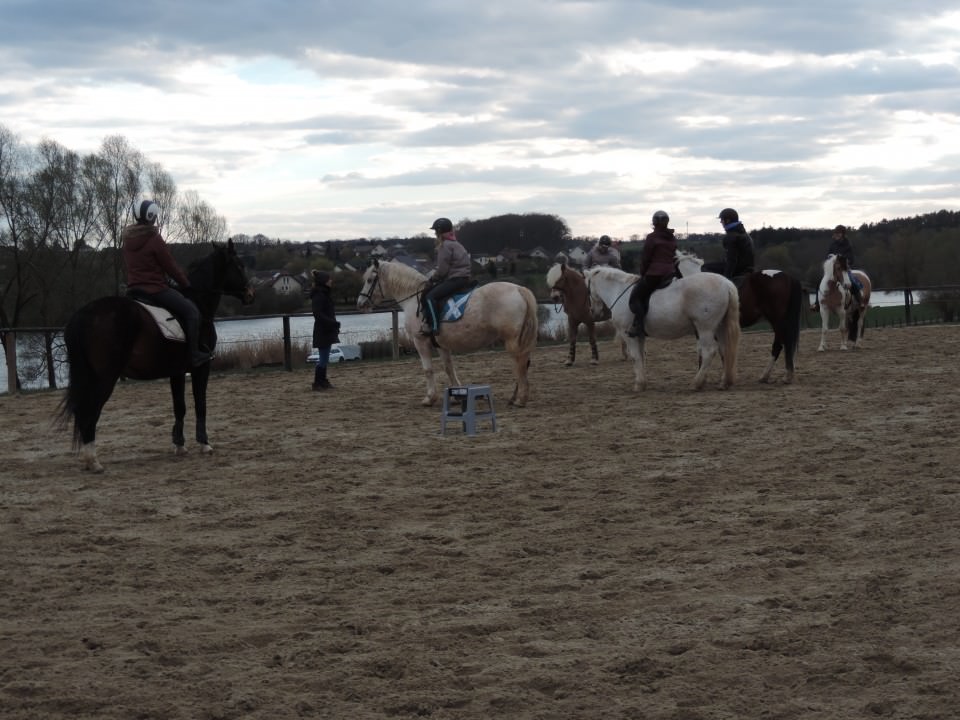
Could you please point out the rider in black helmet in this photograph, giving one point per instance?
(840, 245)
(737, 245)
(603, 253)
(452, 273)
(656, 264)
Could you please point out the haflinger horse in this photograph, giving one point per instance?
(495, 312)
(836, 298)
(770, 295)
(704, 304)
(117, 336)
(568, 287)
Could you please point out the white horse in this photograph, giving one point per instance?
(495, 312)
(704, 304)
(835, 297)
(770, 295)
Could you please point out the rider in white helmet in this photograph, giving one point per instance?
(149, 263)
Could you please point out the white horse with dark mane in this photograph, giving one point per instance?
(498, 312)
(704, 304)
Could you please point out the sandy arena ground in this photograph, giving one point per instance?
(771, 551)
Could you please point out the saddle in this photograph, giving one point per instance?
(166, 321)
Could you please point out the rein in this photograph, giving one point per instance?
(376, 283)
(622, 293)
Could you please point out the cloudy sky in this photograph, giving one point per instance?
(320, 119)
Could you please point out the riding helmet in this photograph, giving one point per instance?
(605, 240)
(729, 215)
(442, 225)
(660, 218)
(146, 213)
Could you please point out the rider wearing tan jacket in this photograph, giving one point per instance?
(451, 275)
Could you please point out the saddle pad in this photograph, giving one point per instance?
(455, 306)
(168, 324)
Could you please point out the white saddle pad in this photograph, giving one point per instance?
(168, 324)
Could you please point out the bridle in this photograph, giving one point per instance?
(617, 298)
(376, 284)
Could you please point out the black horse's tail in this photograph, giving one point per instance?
(792, 321)
(79, 393)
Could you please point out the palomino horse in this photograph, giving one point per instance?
(836, 298)
(769, 295)
(115, 336)
(568, 287)
(704, 304)
(495, 312)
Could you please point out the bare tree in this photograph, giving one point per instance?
(163, 191)
(199, 221)
(118, 182)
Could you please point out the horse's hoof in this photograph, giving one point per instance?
(567, 363)
(179, 450)
(821, 349)
(206, 449)
(595, 361)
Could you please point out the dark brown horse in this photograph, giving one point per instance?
(116, 336)
(769, 295)
(568, 287)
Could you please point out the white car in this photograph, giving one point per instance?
(337, 354)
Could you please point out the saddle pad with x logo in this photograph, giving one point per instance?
(455, 306)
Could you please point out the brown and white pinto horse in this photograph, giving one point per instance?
(568, 287)
(770, 295)
(836, 298)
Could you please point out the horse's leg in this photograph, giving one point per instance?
(775, 351)
(521, 388)
(199, 378)
(842, 318)
(824, 325)
(592, 334)
(637, 350)
(178, 385)
(572, 328)
(86, 417)
(706, 349)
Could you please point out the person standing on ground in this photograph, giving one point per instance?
(326, 329)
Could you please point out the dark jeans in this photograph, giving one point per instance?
(640, 297)
(440, 291)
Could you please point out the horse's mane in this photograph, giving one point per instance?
(611, 273)
(682, 255)
(553, 274)
(403, 279)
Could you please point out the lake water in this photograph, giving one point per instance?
(354, 328)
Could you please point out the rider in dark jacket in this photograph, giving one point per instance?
(840, 245)
(737, 245)
(657, 262)
(148, 264)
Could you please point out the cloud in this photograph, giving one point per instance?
(345, 119)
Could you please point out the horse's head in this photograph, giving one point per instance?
(597, 306)
(235, 281)
(370, 292)
(556, 281)
(687, 263)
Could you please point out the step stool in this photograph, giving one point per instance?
(460, 405)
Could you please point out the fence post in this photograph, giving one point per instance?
(395, 327)
(10, 344)
(287, 353)
(907, 297)
(48, 354)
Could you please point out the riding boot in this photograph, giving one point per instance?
(324, 383)
(637, 330)
(191, 328)
(319, 374)
(857, 295)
